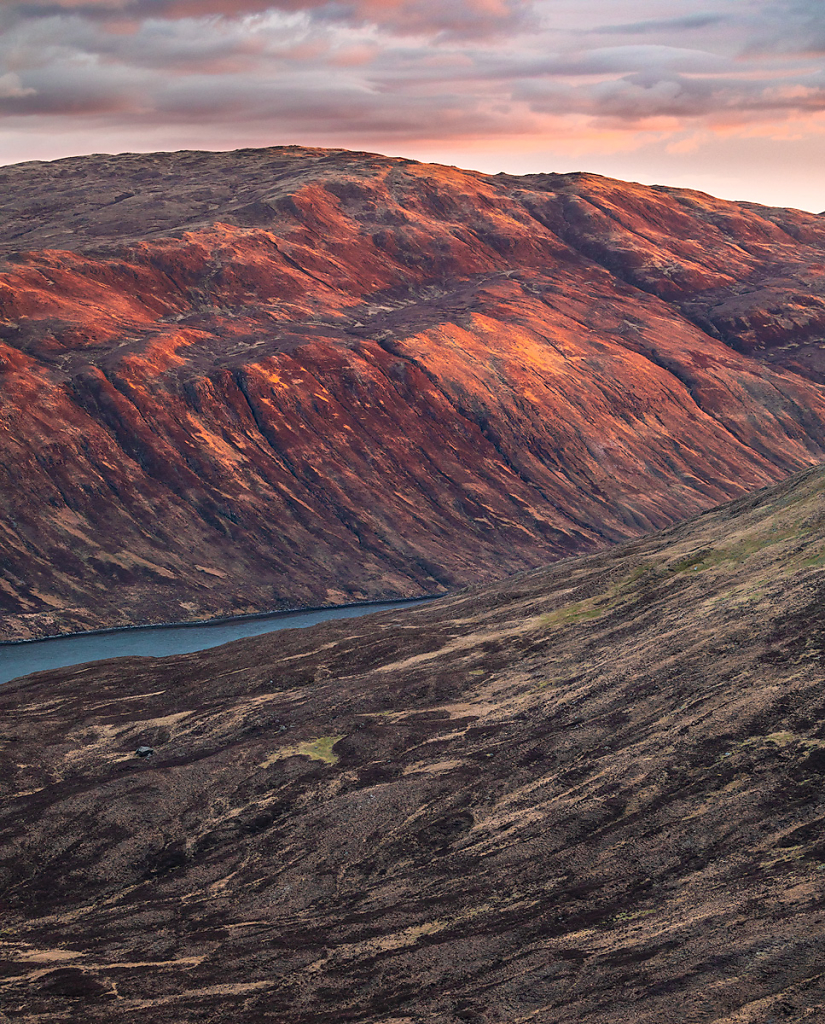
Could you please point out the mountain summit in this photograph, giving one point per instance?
(294, 377)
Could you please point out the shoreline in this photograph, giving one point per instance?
(222, 619)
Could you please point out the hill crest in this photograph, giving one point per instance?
(294, 377)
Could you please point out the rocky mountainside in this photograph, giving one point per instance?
(292, 377)
(590, 793)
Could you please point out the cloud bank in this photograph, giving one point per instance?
(553, 76)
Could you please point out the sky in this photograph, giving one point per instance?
(726, 96)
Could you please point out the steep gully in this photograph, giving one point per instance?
(301, 377)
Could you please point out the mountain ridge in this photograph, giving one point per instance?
(385, 379)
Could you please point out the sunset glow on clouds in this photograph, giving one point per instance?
(728, 97)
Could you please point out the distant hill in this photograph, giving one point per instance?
(588, 793)
(295, 377)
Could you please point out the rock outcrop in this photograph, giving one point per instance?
(279, 378)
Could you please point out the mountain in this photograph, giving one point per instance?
(295, 377)
(588, 793)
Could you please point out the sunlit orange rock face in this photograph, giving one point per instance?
(278, 378)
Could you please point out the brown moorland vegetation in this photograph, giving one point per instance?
(588, 794)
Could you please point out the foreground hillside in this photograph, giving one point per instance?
(291, 377)
(589, 793)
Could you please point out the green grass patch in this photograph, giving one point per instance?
(572, 613)
(736, 554)
(321, 749)
(817, 559)
(694, 561)
(628, 915)
(633, 577)
(781, 739)
(594, 607)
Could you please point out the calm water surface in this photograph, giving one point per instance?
(158, 641)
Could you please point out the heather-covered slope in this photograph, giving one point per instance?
(275, 378)
(589, 793)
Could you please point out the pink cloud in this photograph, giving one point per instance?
(459, 17)
(426, 76)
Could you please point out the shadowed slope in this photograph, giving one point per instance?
(589, 793)
(295, 377)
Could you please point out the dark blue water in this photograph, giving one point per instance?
(158, 641)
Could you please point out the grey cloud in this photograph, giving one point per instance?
(305, 108)
(310, 67)
(12, 88)
(645, 95)
(622, 59)
(689, 23)
(184, 47)
(790, 27)
(64, 67)
(74, 90)
(140, 9)
(458, 18)
(479, 65)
